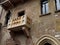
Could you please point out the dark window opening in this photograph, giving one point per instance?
(7, 17)
(21, 13)
(17, 44)
(57, 4)
(47, 44)
(44, 7)
(17, 33)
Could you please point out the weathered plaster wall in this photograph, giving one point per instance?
(40, 25)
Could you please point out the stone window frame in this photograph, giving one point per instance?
(44, 12)
(23, 11)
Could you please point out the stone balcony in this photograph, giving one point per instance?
(8, 4)
(19, 23)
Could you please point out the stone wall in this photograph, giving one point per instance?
(40, 25)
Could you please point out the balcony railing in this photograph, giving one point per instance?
(18, 23)
(7, 4)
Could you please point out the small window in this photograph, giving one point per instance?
(21, 13)
(57, 3)
(0, 11)
(7, 17)
(44, 7)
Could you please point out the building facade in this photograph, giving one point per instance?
(44, 26)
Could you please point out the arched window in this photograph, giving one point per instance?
(21, 13)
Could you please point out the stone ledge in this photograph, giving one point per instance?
(57, 11)
(44, 14)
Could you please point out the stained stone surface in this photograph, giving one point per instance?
(40, 25)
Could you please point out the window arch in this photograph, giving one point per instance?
(47, 39)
